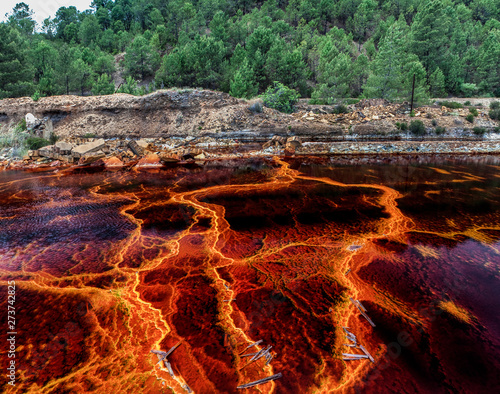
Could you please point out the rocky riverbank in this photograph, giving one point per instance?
(175, 126)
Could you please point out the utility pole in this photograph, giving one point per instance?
(412, 91)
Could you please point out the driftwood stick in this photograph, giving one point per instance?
(261, 381)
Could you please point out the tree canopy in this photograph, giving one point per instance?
(327, 50)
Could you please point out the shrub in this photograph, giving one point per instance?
(417, 127)
(36, 96)
(479, 104)
(470, 118)
(34, 143)
(479, 131)
(440, 130)
(467, 103)
(495, 105)
(88, 135)
(473, 111)
(451, 104)
(412, 114)
(402, 126)
(280, 97)
(434, 122)
(350, 101)
(495, 114)
(340, 109)
(256, 106)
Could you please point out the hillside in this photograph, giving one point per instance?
(328, 51)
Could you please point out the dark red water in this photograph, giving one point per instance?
(109, 265)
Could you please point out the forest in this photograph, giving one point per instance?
(327, 50)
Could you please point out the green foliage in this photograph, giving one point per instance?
(434, 122)
(36, 96)
(470, 118)
(34, 143)
(440, 130)
(340, 109)
(403, 126)
(417, 127)
(15, 74)
(467, 103)
(280, 97)
(22, 125)
(495, 105)
(494, 113)
(129, 87)
(103, 86)
(473, 111)
(141, 60)
(469, 89)
(450, 104)
(326, 50)
(244, 84)
(437, 83)
(479, 131)
(394, 67)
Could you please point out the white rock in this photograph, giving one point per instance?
(30, 120)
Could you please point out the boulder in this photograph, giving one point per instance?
(47, 151)
(30, 121)
(113, 162)
(151, 160)
(136, 148)
(63, 148)
(169, 157)
(143, 144)
(87, 148)
(91, 157)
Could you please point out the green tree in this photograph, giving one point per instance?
(141, 59)
(63, 67)
(89, 30)
(286, 65)
(436, 83)
(64, 17)
(22, 18)
(280, 97)
(15, 76)
(243, 84)
(393, 68)
(488, 72)
(103, 85)
(429, 33)
(82, 75)
(129, 87)
(104, 64)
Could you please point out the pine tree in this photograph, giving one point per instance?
(393, 68)
(103, 86)
(141, 59)
(489, 68)
(429, 33)
(243, 84)
(82, 73)
(15, 75)
(436, 82)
